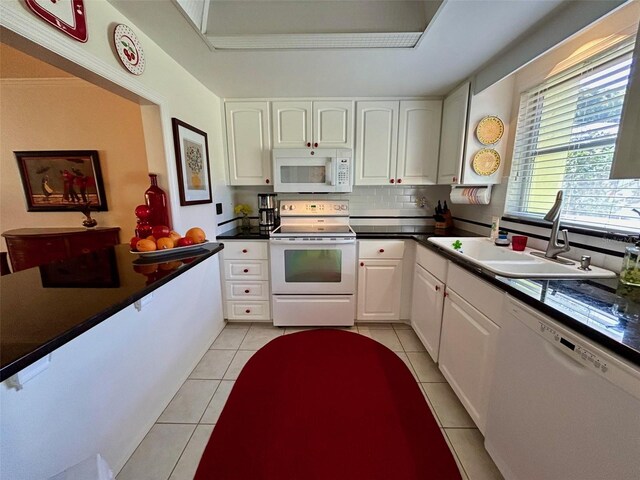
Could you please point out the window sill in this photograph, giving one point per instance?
(620, 237)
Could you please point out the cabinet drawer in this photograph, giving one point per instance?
(248, 311)
(247, 290)
(246, 270)
(246, 250)
(432, 262)
(484, 297)
(381, 249)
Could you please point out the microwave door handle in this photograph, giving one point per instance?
(331, 171)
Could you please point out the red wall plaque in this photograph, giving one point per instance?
(66, 15)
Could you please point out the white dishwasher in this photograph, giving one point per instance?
(561, 408)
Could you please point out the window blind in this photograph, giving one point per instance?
(565, 139)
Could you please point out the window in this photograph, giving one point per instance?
(565, 139)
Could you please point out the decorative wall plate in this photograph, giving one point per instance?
(486, 161)
(129, 49)
(489, 130)
(67, 16)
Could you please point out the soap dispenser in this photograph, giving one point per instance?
(502, 240)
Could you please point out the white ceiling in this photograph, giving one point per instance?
(462, 37)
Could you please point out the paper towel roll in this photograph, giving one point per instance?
(471, 195)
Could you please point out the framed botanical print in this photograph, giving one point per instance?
(192, 157)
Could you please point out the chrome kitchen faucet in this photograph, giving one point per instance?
(554, 248)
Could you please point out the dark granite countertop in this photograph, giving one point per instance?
(252, 233)
(603, 310)
(42, 308)
(406, 231)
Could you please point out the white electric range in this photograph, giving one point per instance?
(313, 264)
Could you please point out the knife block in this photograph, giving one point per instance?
(447, 223)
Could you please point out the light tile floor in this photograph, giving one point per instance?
(173, 447)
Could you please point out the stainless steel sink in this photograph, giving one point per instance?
(507, 263)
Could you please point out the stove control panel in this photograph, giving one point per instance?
(322, 208)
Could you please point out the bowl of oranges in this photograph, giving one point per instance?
(164, 241)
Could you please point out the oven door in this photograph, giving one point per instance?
(313, 266)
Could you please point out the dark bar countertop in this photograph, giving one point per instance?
(604, 310)
(44, 307)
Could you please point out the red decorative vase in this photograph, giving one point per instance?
(156, 199)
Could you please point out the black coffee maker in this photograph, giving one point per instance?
(268, 212)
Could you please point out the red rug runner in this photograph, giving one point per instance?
(326, 404)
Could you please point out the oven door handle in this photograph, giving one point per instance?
(299, 241)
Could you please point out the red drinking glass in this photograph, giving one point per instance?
(519, 242)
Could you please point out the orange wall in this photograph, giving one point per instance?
(71, 114)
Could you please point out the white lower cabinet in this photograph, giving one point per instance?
(380, 279)
(379, 289)
(467, 353)
(426, 309)
(245, 275)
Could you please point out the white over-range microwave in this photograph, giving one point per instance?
(312, 171)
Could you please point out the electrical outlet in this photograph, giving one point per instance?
(218, 209)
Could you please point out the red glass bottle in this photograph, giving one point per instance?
(156, 199)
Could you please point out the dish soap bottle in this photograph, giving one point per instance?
(630, 273)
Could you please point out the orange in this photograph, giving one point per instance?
(196, 234)
(146, 269)
(164, 243)
(151, 238)
(169, 265)
(146, 246)
(175, 236)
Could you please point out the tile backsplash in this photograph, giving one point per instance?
(365, 201)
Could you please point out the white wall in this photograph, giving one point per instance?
(105, 389)
(621, 22)
(164, 81)
(71, 114)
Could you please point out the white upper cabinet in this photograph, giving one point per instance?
(376, 142)
(291, 124)
(454, 128)
(333, 124)
(626, 162)
(321, 124)
(462, 112)
(397, 142)
(418, 142)
(248, 143)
